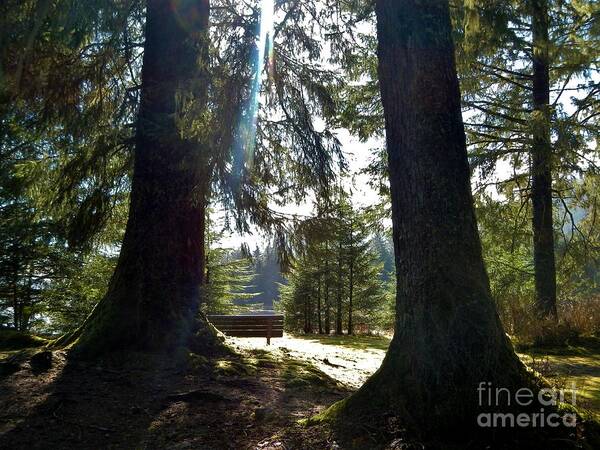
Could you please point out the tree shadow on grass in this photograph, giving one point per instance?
(143, 401)
(577, 364)
(76, 404)
(357, 342)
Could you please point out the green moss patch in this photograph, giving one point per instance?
(299, 374)
(577, 365)
(232, 368)
(16, 340)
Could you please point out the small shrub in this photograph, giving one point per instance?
(555, 335)
(577, 318)
(582, 315)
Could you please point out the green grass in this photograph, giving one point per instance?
(359, 342)
(15, 340)
(578, 363)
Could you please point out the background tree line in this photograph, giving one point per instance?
(338, 283)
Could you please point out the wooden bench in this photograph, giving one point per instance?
(249, 325)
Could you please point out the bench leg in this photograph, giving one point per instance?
(269, 330)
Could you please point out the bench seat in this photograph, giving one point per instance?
(249, 325)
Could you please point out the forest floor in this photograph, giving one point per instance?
(252, 400)
(352, 359)
(575, 366)
(249, 400)
(347, 359)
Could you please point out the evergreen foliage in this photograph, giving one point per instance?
(336, 283)
(267, 278)
(228, 274)
(494, 57)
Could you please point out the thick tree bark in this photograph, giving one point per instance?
(327, 300)
(319, 306)
(154, 294)
(351, 280)
(541, 167)
(448, 336)
(338, 315)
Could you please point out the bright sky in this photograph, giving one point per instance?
(358, 154)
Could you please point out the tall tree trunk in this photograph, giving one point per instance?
(350, 295)
(327, 300)
(338, 315)
(310, 311)
(207, 243)
(448, 336)
(327, 312)
(351, 279)
(541, 170)
(27, 301)
(305, 315)
(154, 293)
(15, 296)
(319, 305)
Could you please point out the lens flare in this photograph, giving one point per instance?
(246, 136)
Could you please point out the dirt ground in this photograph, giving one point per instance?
(253, 401)
(250, 401)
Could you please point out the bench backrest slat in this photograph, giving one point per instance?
(249, 325)
(246, 322)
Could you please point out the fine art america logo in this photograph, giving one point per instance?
(495, 398)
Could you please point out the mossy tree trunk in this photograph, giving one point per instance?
(154, 294)
(448, 336)
(541, 167)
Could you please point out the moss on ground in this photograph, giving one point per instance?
(328, 416)
(577, 364)
(295, 373)
(16, 340)
(298, 374)
(232, 368)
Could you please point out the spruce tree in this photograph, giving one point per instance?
(448, 337)
(153, 295)
(519, 62)
(335, 255)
